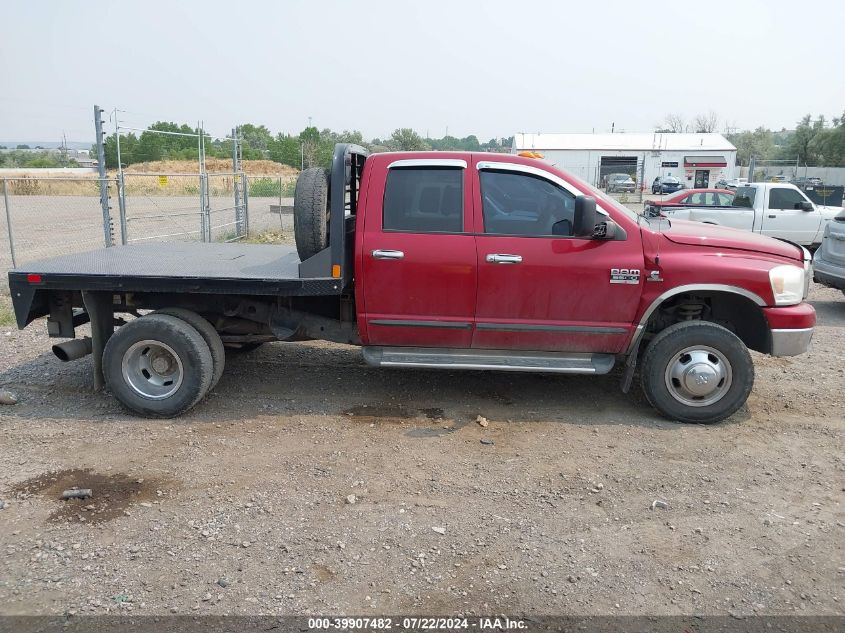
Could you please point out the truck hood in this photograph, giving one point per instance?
(700, 234)
(828, 213)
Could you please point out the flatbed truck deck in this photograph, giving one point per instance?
(248, 269)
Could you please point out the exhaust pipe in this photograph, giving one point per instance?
(73, 350)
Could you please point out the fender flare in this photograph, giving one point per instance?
(640, 329)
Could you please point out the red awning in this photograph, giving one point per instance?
(705, 161)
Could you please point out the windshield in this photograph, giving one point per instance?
(671, 180)
(618, 177)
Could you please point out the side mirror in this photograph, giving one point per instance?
(805, 206)
(586, 217)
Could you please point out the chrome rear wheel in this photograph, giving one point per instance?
(152, 369)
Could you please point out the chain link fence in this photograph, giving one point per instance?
(271, 203)
(44, 217)
(48, 216)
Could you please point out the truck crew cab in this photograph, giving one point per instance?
(441, 260)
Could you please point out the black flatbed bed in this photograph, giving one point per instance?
(208, 268)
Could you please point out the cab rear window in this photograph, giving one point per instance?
(744, 197)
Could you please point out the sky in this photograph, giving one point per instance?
(484, 67)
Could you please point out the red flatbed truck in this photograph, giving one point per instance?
(440, 260)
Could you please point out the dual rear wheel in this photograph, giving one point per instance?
(163, 363)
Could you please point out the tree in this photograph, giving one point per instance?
(406, 140)
(800, 141)
(285, 149)
(705, 123)
(22, 147)
(309, 138)
(674, 123)
(828, 145)
(759, 143)
(255, 137)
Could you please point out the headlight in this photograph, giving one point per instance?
(787, 284)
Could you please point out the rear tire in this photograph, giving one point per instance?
(158, 366)
(208, 333)
(697, 372)
(311, 212)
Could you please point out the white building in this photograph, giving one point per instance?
(698, 160)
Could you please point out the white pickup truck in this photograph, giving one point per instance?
(775, 209)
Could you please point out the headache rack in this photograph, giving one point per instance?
(336, 260)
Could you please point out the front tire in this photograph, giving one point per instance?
(697, 372)
(158, 366)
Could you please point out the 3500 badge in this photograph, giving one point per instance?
(624, 275)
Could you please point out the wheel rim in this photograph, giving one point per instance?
(698, 376)
(152, 369)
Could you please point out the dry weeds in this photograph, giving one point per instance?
(143, 178)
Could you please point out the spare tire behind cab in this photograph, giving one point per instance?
(311, 212)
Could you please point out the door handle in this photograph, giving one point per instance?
(387, 254)
(502, 258)
(773, 216)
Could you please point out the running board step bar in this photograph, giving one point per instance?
(502, 360)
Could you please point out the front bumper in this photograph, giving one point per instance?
(829, 274)
(791, 342)
(791, 328)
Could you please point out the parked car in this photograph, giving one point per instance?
(732, 184)
(620, 183)
(778, 210)
(805, 182)
(451, 260)
(692, 198)
(666, 184)
(829, 259)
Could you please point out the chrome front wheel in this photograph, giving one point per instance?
(698, 376)
(696, 371)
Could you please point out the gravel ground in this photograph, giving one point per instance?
(307, 482)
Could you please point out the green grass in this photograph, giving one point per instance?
(7, 316)
(269, 237)
(271, 188)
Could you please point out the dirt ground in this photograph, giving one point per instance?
(307, 482)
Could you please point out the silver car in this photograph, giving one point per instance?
(829, 260)
(620, 183)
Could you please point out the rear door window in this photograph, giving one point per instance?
(424, 200)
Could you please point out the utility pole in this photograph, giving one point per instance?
(63, 150)
(236, 169)
(101, 168)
